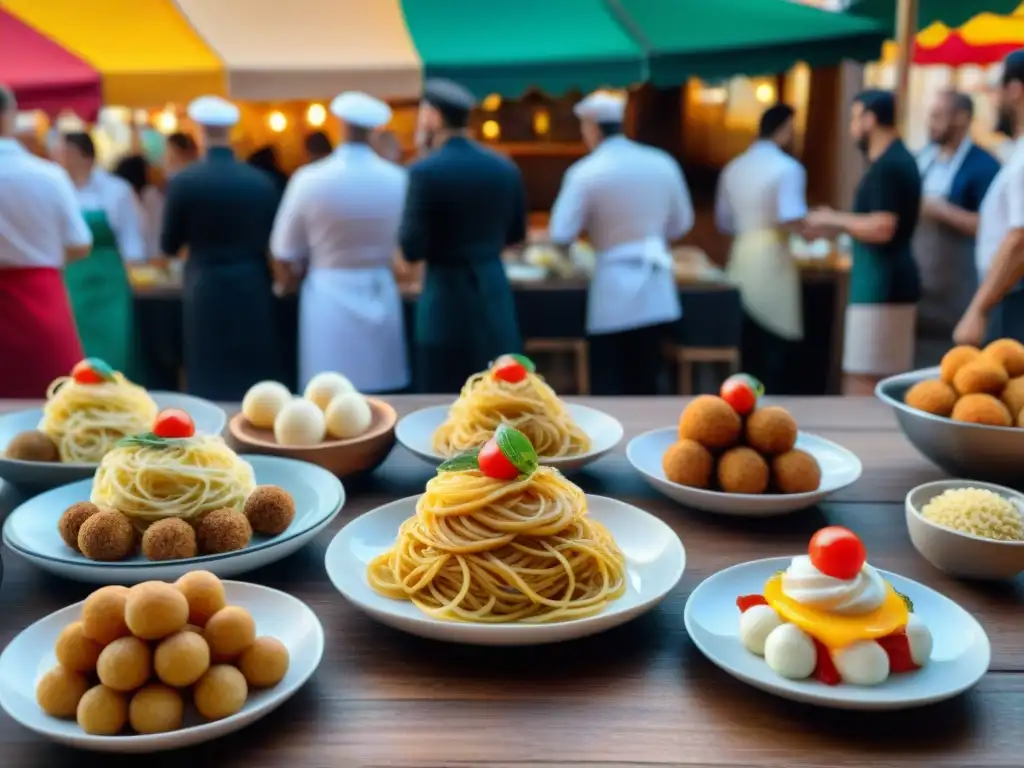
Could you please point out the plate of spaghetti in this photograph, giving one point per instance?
(500, 550)
(85, 414)
(511, 392)
(169, 501)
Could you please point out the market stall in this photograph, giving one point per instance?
(985, 39)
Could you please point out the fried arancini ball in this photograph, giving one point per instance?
(771, 430)
(982, 375)
(221, 692)
(687, 462)
(102, 711)
(70, 522)
(981, 409)
(223, 530)
(169, 539)
(156, 709)
(933, 396)
(956, 359)
(153, 610)
(742, 470)
(710, 421)
(125, 665)
(796, 472)
(1020, 419)
(264, 663)
(75, 651)
(181, 659)
(229, 632)
(103, 614)
(108, 535)
(59, 691)
(1013, 396)
(32, 446)
(270, 509)
(204, 593)
(1008, 353)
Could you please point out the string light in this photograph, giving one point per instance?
(492, 103)
(491, 130)
(713, 95)
(765, 93)
(316, 115)
(541, 122)
(166, 121)
(277, 121)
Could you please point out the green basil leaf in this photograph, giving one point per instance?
(148, 440)
(517, 448)
(524, 361)
(462, 462)
(101, 368)
(906, 600)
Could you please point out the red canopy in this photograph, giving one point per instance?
(42, 74)
(955, 51)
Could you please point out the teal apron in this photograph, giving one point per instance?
(101, 298)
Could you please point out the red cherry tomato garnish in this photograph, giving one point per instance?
(740, 392)
(84, 374)
(494, 463)
(746, 602)
(837, 552)
(897, 648)
(824, 667)
(509, 369)
(173, 423)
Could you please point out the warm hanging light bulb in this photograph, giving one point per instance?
(492, 103)
(541, 122)
(316, 115)
(491, 130)
(166, 121)
(765, 93)
(277, 121)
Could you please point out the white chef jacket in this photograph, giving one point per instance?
(39, 215)
(116, 198)
(341, 215)
(1001, 210)
(631, 200)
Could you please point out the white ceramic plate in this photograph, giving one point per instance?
(40, 475)
(655, 559)
(30, 655)
(960, 656)
(31, 529)
(416, 432)
(839, 468)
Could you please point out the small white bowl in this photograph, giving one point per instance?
(962, 554)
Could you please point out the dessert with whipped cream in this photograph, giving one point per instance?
(831, 616)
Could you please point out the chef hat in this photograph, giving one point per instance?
(360, 109)
(602, 107)
(213, 111)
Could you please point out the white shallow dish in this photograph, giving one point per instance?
(839, 468)
(960, 656)
(655, 560)
(31, 529)
(416, 432)
(30, 655)
(40, 475)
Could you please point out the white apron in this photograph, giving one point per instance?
(768, 278)
(351, 321)
(634, 286)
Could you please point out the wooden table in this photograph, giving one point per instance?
(637, 695)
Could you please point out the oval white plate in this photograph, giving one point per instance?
(30, 655)
(960, 656)
(416, 432)
(839, 468)
(31, 529)
(40, 475)
(655, 559)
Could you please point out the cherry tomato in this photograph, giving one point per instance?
(509, 369)
(494, 463)
(84, 374)
(173, 423)
(837, 552)
(740, 393)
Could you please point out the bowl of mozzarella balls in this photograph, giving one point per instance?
(331, 425)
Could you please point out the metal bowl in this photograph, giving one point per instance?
(972, 451)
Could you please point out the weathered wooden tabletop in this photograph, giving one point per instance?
(638, 695)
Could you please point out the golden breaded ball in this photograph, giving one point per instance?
(181, 659)
(932, 396)
(796, 472)
(687, 462)
(981, 409)
(221, 692)
(125, 665)
(76, 651)
(102, 711)
(771, 431)
(153, 610)
(264, 663)
(1009, 354)
(980, 376)
(742, 470)
(229, 632)
(103, 615)
(156, 709)
(204, 593)
(956, 359)
(59, 691)
(1013, 396)
(710, 421)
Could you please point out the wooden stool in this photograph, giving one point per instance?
(686, 358)
(578, 349)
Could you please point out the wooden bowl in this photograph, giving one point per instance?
(344, 458)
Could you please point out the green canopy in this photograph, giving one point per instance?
(510, 46)
(952, 13)
(714, 39)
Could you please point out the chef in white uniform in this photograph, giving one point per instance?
(338, 222)
(761, 198)
(632, 201)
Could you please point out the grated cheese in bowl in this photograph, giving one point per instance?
(977, 512)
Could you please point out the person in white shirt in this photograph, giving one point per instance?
(997, 308)
(761, 199)
(41, 230)
(101, 295)
(631, 200)
(340, 217)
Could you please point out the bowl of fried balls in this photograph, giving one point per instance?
(141, 668)
(967, 415)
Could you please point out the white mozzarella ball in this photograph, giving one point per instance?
(324, 387)
(300, 422)
(790, 652)
(864, 662)
(756, 623)
(920, 639)
(348, 415)
(263, 402)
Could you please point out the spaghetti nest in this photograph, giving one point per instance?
(493, 551)
(149, 479)
(87, 420)
(530, 405)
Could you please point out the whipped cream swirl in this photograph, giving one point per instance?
(808, 586)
